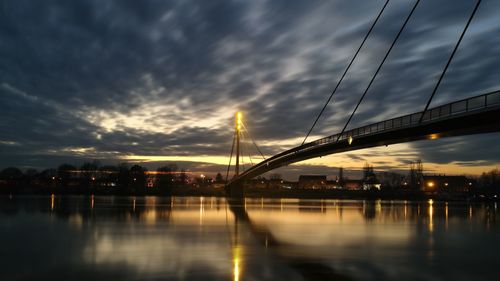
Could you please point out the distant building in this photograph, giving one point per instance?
(289, 185)
(150, 180)
(333, 184)
(371, 184)
(353, 184)
(258, 183)
(217, 184)
(442, 183)
(276, 183)
(312, 181)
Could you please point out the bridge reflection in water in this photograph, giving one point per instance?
(156, 238)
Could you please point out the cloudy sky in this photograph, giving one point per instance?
(156, 81)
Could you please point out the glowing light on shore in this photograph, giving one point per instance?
(434, 136)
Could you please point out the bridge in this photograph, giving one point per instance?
(474, 115)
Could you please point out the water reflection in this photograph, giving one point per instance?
(187, 238)
(52, 202)
(431, 215)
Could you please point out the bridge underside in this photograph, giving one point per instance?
(477, 122)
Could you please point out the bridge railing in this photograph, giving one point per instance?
(441, 112)
(480, 102)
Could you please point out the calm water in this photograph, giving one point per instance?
(151, 238)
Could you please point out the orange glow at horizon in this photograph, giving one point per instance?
(394, 157)
(338, 160)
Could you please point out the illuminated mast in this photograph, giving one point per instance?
(238, 130)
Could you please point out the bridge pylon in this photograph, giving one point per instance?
(236, 189)
(238, 135)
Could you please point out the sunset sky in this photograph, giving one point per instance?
(159, 82)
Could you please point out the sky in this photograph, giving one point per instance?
(156, 82)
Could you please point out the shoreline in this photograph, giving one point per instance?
(266, 193)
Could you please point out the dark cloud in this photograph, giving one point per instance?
(103, 79)
(477, 150)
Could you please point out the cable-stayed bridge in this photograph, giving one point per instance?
(474, 115)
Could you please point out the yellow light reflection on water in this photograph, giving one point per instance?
(446, 215)
(149, 216)
(431, 215)
(406, 210)
(201, 210)
(236, 263)
(52, 202)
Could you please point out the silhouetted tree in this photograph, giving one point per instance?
(49, 177)
(183, 178)
(31, 173)
(124, 178)
(219, 178)
(369, 178)
(31, 177)
(416, 174)
(88, 173)
(66, 173)
(275, 177)
(108, 176)
(490, 181)
(166, 177)
(390, 179)
(367, 172)
(138, 177)
(341, 177)
(12, 176)
(11, 173)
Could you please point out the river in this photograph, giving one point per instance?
(200, 238)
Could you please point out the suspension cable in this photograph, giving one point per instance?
(249, 153)
(449, 60)
(346, 70)
(230, 157)
(242, 153)
(380, 66)
(254, 143)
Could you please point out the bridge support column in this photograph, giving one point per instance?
(235, 190)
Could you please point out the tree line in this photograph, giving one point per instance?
(91, 176)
